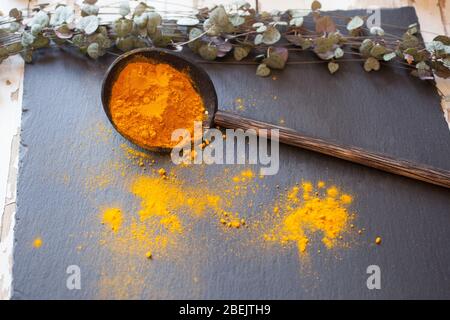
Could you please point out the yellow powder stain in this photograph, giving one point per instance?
(37, 243)
(112, 217)
(301, 217)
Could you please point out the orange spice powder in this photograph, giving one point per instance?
(149, 101)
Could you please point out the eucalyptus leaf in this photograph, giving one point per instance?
(124, 8)
(333, 67)
(355, 23)
(63, 14)
(93, 50)
(123, 27)
(338, 53)
(89, 10)
(41, 18)
(236, 20)
(261, 29)
(140, 9)
(15, 13)
(208, 52)
(378, 51)
(443, 39)
(88, 24)
(271, 36)
(36, 29)
(258, 39)
(241, 52)
(263, 70)
(371, 64)
(40, 42)
(365, 47)
(188, 22)
(14, 27)
(125, 44)
(377, 31)
(277, 58)
(27, 39)
(389, 56)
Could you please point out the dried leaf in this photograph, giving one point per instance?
(325, 24)
(208, 52)
(271, 36)
(371, 64)
(241, 52)
(333, 67)
(355, 23)
(263, 70)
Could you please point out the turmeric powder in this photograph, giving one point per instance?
(151, 100)
(306, 213)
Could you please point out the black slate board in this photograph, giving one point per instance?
(387, 112)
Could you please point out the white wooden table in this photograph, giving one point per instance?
(434, 17)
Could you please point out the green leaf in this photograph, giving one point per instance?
(377, 31)
(40, 42)
(27, 55)
(338, 53)
(299, 41)
(236, 20)
(15, 13)
(63, 14)
(27, 39)
(124, 8)
(263, 70)
(88, 24)
(36, 29)
(14, 27)
(93, 50)
(355, 23)
(259, 39)
(409, 41)
(241, 52)
(333, 67)
(389, 56)
(123, 27)
(41, 18)
(208, 52)
(125, 44)
(153, 21)
(188, 22)
(89, 10)
(271, 36)
(443, 39)
(371, 64)
(277, 58)
(366, 47)
(378, 51)
(140, 9)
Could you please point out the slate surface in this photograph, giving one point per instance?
(386, 112)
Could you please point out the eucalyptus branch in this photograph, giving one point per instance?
(250, 37)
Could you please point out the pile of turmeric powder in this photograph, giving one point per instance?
(151, 100)
(307, 210)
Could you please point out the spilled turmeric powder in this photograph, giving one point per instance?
(151, 100)
(305, 212)
(113, 218)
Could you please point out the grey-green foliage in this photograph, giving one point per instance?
(89, 10)
(62, 14)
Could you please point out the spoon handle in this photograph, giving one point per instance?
(370, 159)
